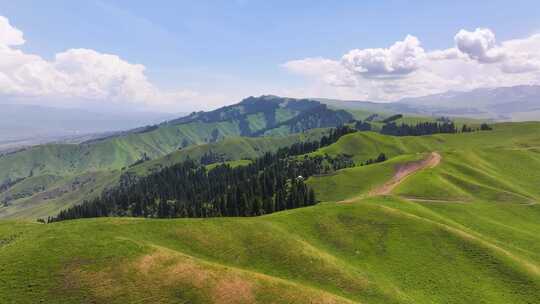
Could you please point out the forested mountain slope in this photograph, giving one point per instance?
(45, 195)
(41, 180)
(251, 117)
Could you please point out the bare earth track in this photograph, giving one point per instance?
(405, 171)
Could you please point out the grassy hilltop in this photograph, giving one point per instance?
(465, 231)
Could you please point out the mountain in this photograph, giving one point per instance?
(253, 116)
(503, 103)
(40, 180)
(518, 103)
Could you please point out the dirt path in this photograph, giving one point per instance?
(405, 171)
(430, 200)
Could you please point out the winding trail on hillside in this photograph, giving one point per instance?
(406, 170)
(403, 171)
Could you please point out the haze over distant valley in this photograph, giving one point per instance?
(23, 125)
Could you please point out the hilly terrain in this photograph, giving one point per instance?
(39, 181)
(252, 117)
(459, 224)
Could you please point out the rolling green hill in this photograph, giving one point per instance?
(45, 195)
(41, 180)
(266, 115)
(465, 231)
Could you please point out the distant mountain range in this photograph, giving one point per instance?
(26, 125)
(518, 103)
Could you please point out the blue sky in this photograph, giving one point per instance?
(228, 49)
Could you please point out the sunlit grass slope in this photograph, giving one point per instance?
(466, 231)
(372, 251)
(234, 148)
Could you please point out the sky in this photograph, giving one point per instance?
(180, 56)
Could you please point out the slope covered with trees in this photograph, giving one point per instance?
(148, 149)
(273, 182)
(251, 117)
(46, 195)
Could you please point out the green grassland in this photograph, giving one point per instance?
(45, 195)
(52, 177)
(233, 148)
(125, 149)
(357, 181)
(113, 153)
(36, 199)
(465, 231)
(372, 251)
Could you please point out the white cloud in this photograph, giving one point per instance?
(523, 55)
(401, 58)
(331, 71)
(479, 45)
(9, 35)
(406, 69)
(447, 54)
(81, 74)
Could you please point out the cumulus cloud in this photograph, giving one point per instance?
(448, 54)
(401, 58)
(479, 45)
(80, 74)
(523, 55)
(406, 69)
(9, 35)
(331, 71)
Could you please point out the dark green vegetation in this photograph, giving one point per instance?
(42, 180)
(271, 183)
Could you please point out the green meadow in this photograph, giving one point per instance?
(465, 231)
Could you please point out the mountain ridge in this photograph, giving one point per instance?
(515, 103)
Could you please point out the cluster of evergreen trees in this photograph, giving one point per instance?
(442, 125)
(485, 127)
(144, 158)
(270, 183)
(362, 126)
(392, 118)
(424, 128)
(381, 158)
(211, 157)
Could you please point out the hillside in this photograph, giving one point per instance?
(465, 230)
(45, 195)
(251, 117)
(41, 180)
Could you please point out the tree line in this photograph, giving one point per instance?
(428, 128)
(273, 182)
(381, 158)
